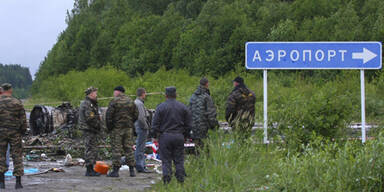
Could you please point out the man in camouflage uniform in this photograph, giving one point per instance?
(120, 117)
(203, 113)
(8, 148)
(240, 109)
(89, 122)
(13, 125)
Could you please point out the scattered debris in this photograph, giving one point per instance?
(57, 170)
(43, 156)
(80, 161)
(124, 168)
(68, 160)
(27, 171)
(33, 157)
(101, 167)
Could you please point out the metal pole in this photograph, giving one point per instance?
(362, 85)
(265, 78)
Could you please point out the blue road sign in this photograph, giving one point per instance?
(313, 55)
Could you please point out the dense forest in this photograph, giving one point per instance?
(200, 36)
(18, 76)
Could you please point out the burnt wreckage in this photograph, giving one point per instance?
(46, 119)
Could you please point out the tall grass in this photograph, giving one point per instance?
(328, 166)
(229, 165)
(246, 166)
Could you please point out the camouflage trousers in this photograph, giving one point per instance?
(242, 127)
(14, 138)
(91, 150)
(122, 142)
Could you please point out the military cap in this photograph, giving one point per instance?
(90, 90)
(120, 88)
(170, 91)
(6, 86)
(239, 80)
(203, 81)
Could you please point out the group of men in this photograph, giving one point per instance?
(172, 123)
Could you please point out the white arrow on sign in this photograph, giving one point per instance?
(366, 55)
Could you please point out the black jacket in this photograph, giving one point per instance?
(172, 116)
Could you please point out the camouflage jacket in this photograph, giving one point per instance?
(203, 113)
(12, 114)
(121, 113)
(89, 117)
(240, 104)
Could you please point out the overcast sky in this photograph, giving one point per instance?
(29, 29)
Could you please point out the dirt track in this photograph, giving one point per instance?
(73, 179)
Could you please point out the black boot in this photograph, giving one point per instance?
(114, 173)
(132, 171)
(2, 181)
(166, 180)
(18, 183)
(90, 172)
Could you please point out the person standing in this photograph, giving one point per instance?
(203, 113)
(240, 108)
(172, 122)
(8, 148)
(142, 127)
(13, 125)
(120, 117)
(90, 124)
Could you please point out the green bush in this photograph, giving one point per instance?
(328, 166)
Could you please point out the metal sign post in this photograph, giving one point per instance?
(313, 55)
(362, 85)
(265, 88)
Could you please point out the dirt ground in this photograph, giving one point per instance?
(73, 179)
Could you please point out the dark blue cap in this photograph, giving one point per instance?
(120, 88)
(170, 91)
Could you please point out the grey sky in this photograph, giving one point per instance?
(29, 29)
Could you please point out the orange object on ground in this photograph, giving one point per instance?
(101, 167)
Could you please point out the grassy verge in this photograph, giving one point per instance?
(319, 166)
(229, 166)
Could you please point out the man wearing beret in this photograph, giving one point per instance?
(89, 122)
(13, 125)
(172, 123)
(120, 117)
(240, 108)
